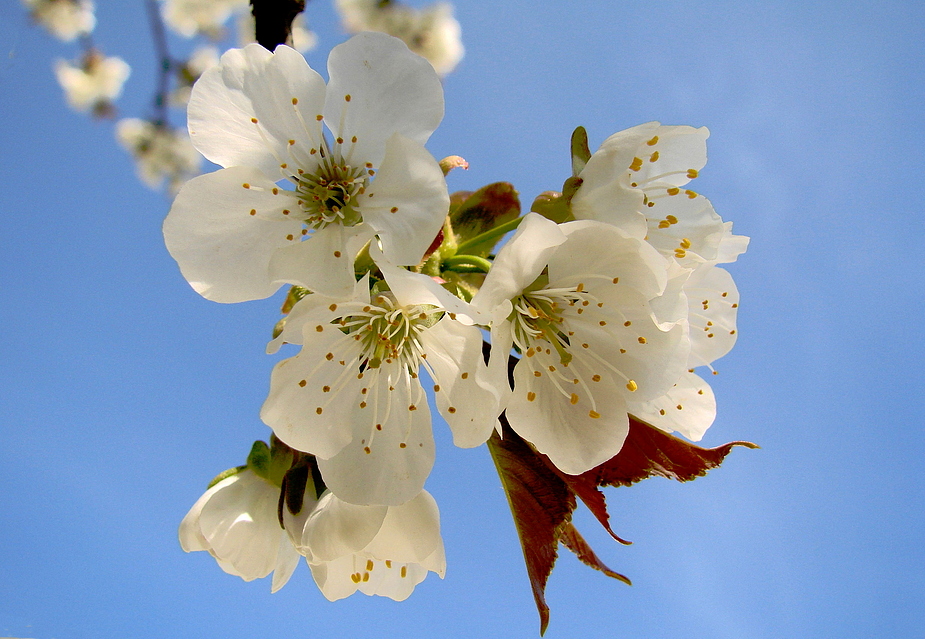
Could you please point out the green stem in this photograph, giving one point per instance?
(467, 264)
(492, 234)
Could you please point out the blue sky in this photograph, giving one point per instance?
(124, 392)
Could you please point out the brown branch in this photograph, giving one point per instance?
(273, 19)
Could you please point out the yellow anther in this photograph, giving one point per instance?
(692, 173)
(664, 224)
(673, 190)
(653, 157)
(685, 243)
(295, 101)
(531, 396)
(641, 340)
(636, 165)
(690, 194)
(632, 386)
(593, 414)
(573, 399)
(653, 141)
(671, 219)
(303, 383)
(369, 565)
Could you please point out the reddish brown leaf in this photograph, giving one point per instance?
(573, 540)
(540, 503)
(482, 211)
(542, 498)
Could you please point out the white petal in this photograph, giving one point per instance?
(596, 249)
(688, 408)
(387, 466)
(697, 232)
(412, 289)
(519, 262)
(391, 91)
(223, 249)
(714, 301)
(337, 528)
(465, 394)
(680, 149)
(323, 263)
(287, 558)
(569, 433)
(731, 245)
(333, 577)
(252, 83)
(410, 532)
(240, 524)
(407, 203)
(299, 410)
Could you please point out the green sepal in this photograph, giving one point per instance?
(222, 476)
(580, 151)
(258, 460)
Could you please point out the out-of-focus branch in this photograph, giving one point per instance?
(165, 62)
(274, 20)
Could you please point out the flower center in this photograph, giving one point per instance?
(537, 316)
(389, 333)
(329, 194)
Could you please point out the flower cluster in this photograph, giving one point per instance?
(599, 308)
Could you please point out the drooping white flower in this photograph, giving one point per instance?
(93, 82)
(64, 19)
(161, 153)
(189, 17)
(378, 550)
(431, 32)
(238, 235)
(236, 522)
(575, 300)
(353, 395)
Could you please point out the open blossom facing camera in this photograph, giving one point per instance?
(65, 19)
(353, 395)
(93, 83)
(238, 235)
(575, 300)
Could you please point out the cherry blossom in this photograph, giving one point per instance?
(575, 301)
(378, 550)
(161, 153)
(64, 19)
(236, 522)
(189, 17)
(431, 32)
(353, 395)
(93, 82)
(238, 235)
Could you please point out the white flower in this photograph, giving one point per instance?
(189, 17)
(236, 522)
(353, 395)
(93, 83)
(160, 153)
(575, 300)
(65, 19)
(638, 179)
(431, 32)
(237, 235)
(378, 550)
